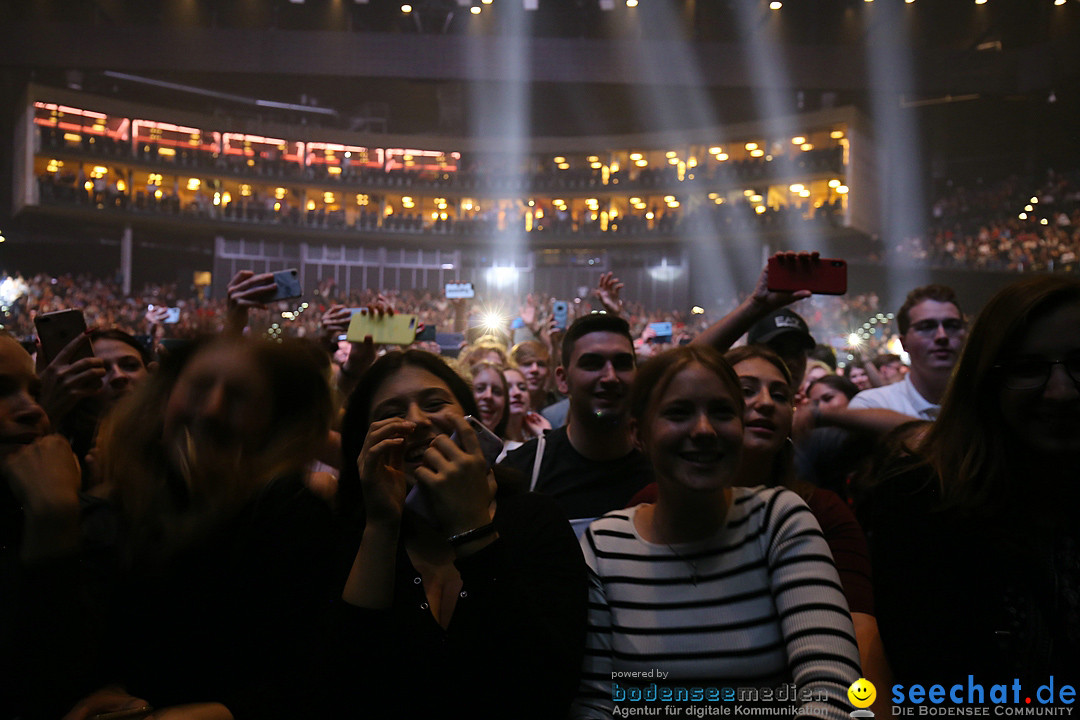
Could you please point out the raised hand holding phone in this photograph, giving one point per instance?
(458, 480)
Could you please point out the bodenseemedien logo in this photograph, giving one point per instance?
(862, 694)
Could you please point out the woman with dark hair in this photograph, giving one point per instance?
(715, 584)
(204, 573)
(466, 597)
(986, 508)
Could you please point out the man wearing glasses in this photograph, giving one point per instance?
(932, 331)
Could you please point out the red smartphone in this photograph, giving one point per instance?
(821, 276)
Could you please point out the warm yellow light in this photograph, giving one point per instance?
(388, 211)
(691, 162)
(593, 158)
(166, 151)
(631, 3)
(226, 197)
(72, 137)
(1033, 200)
(157, 194)
(747, 193)
(559, 159)
(1044, 221)
(842, 190)
(798, 140)
(406, 9)
(193, 184)
(980, 2)
(719, 201)
(217, 199)
(836, 134)
(486, 2)
(673, 161)
(1023, 216)
(1029, 208)
(776, 5)
(671, 154)
(245, 190)
(722, 157)
(466, 204)
(797, 188)
(596, 165)
(642, 162)
(279, 193)
(333, 170)
(806, 147)
(757, 153)
(361, 200)
(673, 204)
(121, 186)
(564, 166)
(669, 198)
(328, 198)
(751, 146)
(475, 9)
(755, 198)
(614, 167)
(277, 207)
(804, 193)
(635, 156)
(435, 215)
(649, 216)
(759, 209)
(88, 185)
(834, 183)
(99, 171)
(310, 204)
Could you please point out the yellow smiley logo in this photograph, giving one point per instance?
(862, 693)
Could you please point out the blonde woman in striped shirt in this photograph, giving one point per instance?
(714, 592)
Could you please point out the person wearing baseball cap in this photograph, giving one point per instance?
(785, 333)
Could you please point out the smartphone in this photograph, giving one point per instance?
(172, 316)
(428, 334)
(57, 329)
(459, 290)
(821, 276)
(490, 444)
(662, 332)
(288, 284)
(399, 329)
(561, 310)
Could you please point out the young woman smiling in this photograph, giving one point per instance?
(716, 585)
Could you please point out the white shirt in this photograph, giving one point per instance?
(901, 397)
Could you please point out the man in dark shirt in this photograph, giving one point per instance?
(590, 466)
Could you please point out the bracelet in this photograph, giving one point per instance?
(470, 535)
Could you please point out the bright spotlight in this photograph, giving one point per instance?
(406, 9)
(493, 321)
(776, 5)
(854, 340)
(502, 276)
(631, 3)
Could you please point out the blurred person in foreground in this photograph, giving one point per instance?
(196, 583)
(975, 540)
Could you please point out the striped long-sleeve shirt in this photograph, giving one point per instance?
(757, 605)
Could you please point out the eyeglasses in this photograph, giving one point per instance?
(1032, 373)
(928, 328)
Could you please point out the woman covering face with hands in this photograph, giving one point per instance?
(462, 584)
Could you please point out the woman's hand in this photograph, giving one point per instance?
(458, 480)
(535, 424)
(770, 300)
(106, 700)
(65, 381)
(380, 464)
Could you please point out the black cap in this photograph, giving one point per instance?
(781, 322)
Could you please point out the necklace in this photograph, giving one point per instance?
(693, 565)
